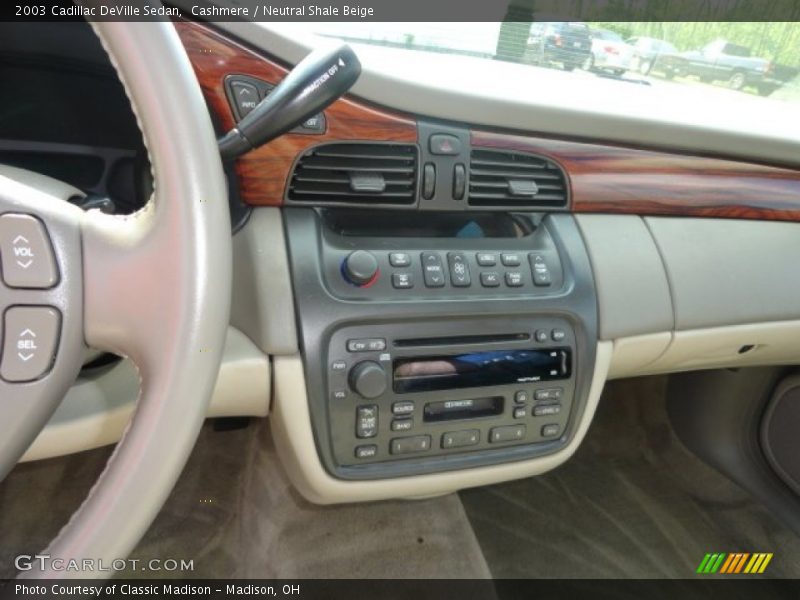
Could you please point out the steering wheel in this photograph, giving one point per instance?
(154, 287)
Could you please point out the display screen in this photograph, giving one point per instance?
(479, 369)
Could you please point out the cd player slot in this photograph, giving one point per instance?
(462, 340)
(479, 369)
(471, 408)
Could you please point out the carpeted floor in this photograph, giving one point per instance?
(631, 503)
(235, 514)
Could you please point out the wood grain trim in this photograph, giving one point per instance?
(264, 172)
(613, 179)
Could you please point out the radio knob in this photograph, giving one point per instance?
(360, 268)
(368, 379)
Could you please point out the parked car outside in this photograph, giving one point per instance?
(609, 52)
(724, 61)
(647, 54)
(568, 44)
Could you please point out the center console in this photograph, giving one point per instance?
(441, 342)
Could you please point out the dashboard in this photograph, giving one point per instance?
(444, 298)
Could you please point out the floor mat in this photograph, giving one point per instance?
(235, 515)
(632, 502)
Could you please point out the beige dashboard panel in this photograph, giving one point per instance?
(756, 344)
(97, 408)
(294, 438)
(632, 355)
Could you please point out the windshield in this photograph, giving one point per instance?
(712, 58)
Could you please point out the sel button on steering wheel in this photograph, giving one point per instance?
(31, 334)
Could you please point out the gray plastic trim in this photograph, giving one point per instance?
(728, 272)
(632, 288)
(262, 304)
(322, 310)
(294, 440)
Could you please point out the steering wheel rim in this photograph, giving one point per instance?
(154, 287)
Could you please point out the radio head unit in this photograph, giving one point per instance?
(401, 394)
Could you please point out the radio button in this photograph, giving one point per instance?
(459, 269)
(367, 421)
(402, 281)
(403, 408)
(490, 279)
(551, 430)
(376, 345)
(546, 410)
(432, 269)
(541, 335)
(520, 412)
(368, 379)
(548, 394)
(514, 279)
(406, 424)
(411, 445)
(459, 439)
(366, 451)
(511, 260)
(521, 397)
(507, 433)
(486, 259)
(400, 259)
(558, 335)
(366, 345)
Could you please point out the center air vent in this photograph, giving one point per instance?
(499, 179)
(356, 174)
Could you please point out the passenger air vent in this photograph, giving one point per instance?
(356, 174)
(500, 179)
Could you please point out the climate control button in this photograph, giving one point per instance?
(360, 268)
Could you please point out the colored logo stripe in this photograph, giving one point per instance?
(734, 563)
(711, 562)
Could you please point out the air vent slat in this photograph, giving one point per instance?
(350, 173)
(355, 167)
(539, 197)
(302, 177)
(507, 179)
(514, 173)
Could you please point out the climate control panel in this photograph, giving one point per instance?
(407, 273)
